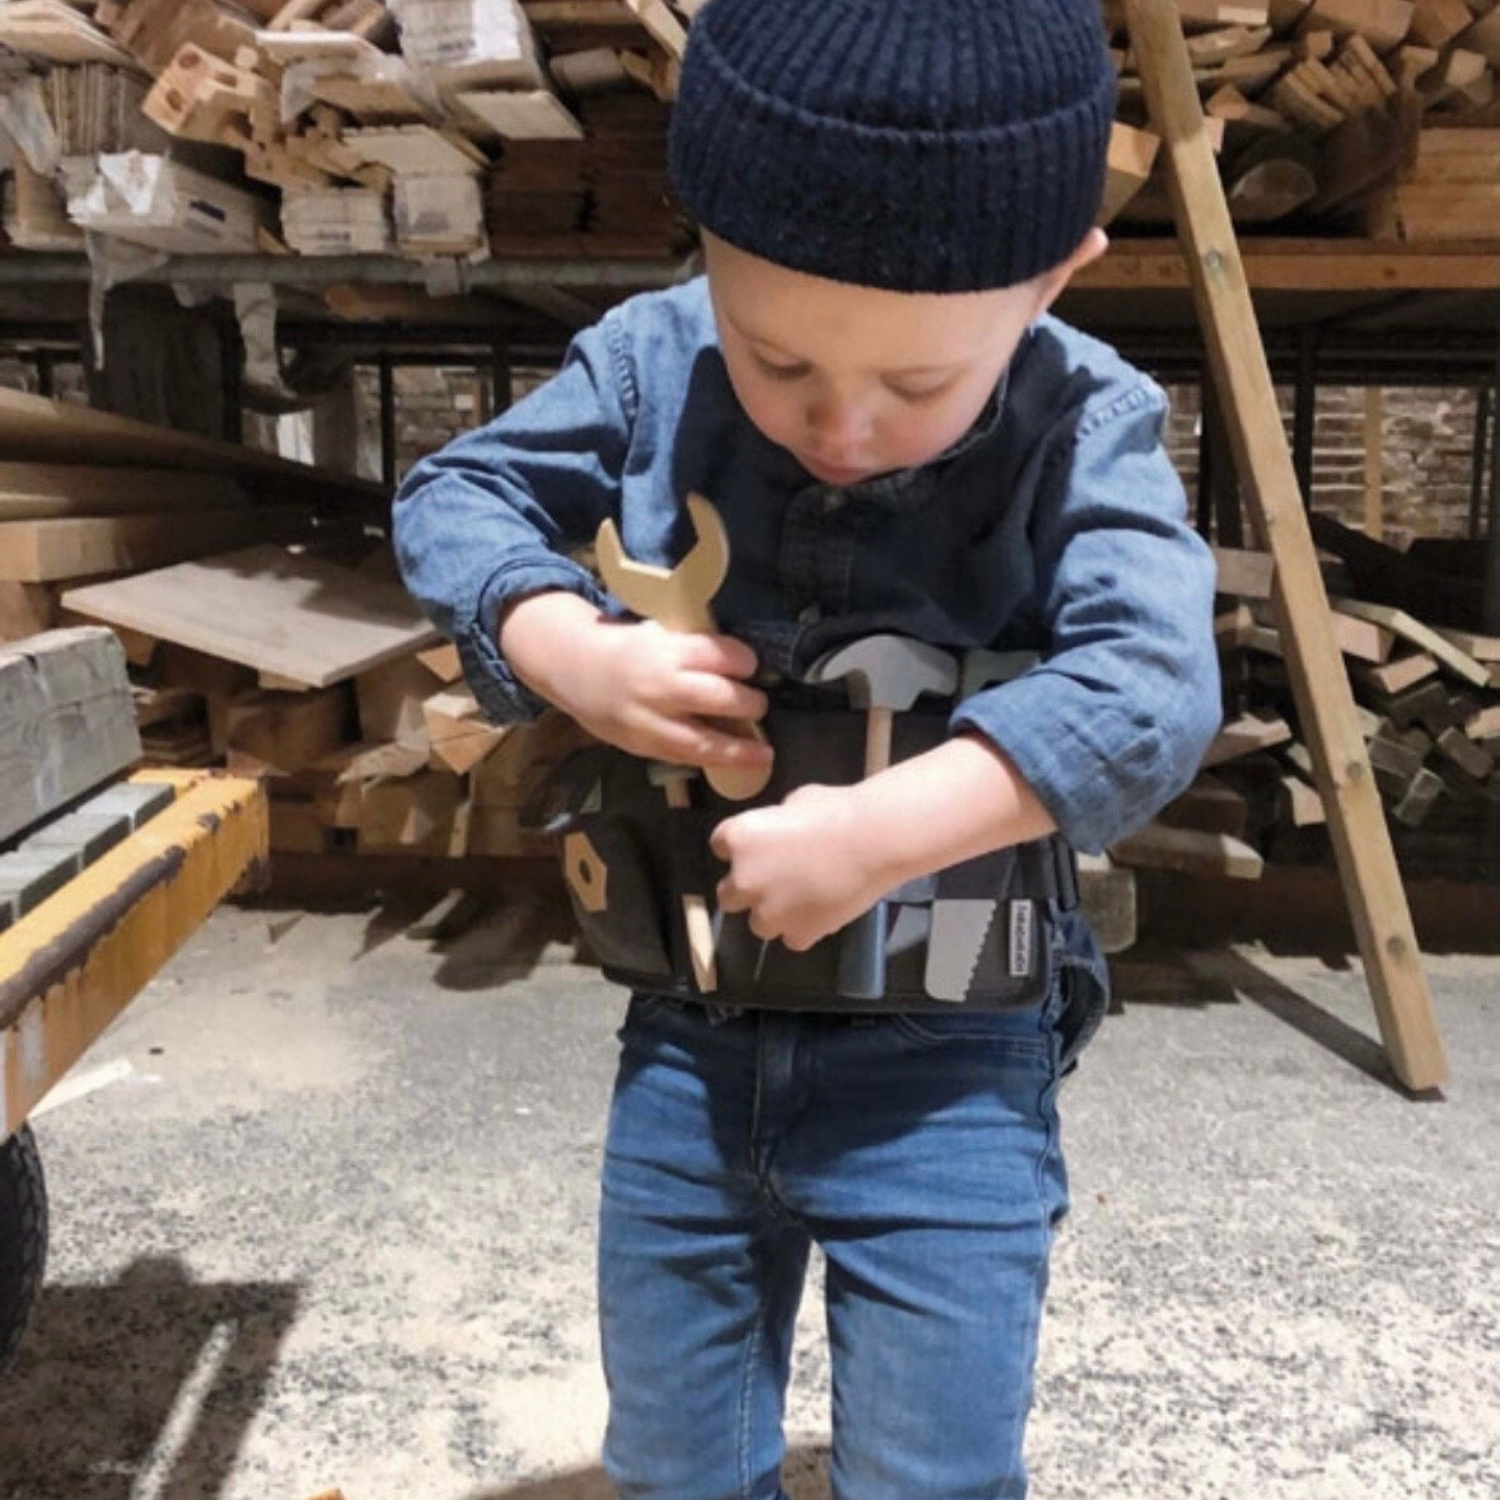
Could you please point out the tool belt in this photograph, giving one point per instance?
(977, 934)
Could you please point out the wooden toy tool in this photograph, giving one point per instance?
(678, 598)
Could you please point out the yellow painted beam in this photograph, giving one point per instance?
(68, 968)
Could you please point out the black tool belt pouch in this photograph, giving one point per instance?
(977, 934)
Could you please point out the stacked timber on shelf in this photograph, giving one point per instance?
(1426, 684)
(458, 128)
(1375, 117)
(426, 128)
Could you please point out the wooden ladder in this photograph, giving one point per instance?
(1247, 398)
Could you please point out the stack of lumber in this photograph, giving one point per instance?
(1451, 191)
(371, 126)
(322, 679)
(603, 194)
(1427, 692)
(308, 665)
(85, 493)
(440, 128)
(1323, 106)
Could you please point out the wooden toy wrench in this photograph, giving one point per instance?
(678, 598)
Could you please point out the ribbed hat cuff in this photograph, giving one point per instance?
(905, 210)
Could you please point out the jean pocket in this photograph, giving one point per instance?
(1016, 1033)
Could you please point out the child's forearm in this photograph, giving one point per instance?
(963, 799)
(545, 637)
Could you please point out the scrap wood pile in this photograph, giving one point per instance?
(461, 128)
(1426, 684)
(264, 628)
(320, 677)
(1378, 117)
(423, 128)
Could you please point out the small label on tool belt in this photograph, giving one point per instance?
(1022, 921)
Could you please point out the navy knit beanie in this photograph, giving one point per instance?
(915, 145)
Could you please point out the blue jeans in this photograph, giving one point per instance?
(921, 1153)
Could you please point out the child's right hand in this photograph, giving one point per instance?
(649, 690)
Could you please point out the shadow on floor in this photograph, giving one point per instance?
(1227, 976)
(153, 1376)
(804, 1477)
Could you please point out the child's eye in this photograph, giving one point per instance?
(925, 392)
(781, 372)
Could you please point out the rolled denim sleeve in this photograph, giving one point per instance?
(1113, 723)
(489, 518)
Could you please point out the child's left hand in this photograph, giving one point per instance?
(801, 869)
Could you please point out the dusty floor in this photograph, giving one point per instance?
(325, 1219)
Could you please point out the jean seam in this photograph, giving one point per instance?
(747, 1383)
(1048, 1103)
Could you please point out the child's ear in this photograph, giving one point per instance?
(1050, 284)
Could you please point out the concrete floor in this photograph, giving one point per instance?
(326, 1219)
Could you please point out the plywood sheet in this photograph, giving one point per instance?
(276, 611)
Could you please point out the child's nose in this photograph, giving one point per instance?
(837, 422)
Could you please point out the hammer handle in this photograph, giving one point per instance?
(695, 914)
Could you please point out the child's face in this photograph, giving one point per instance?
(856, 381)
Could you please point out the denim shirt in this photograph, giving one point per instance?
(1057, 524)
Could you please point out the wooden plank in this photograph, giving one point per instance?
(1420, 211)
(34, 492)
(67, 722)
(1483, 37)
(1398, 675)
(285, 732)
(1298, 803)
(1244, 736)
(269, 610)
(523, 114)
(390, 699)
(72, 965)
(1303, 265)
(51, 32)
(1198, 14)
(1435, 23)
(1106, 894)
(1465, 754)
(1383, 23)
(1209, 47)
(458, 734)
(1423, 637)
(1131, 153)
(1210, 806)
(1485, 648)
(46, 551)
(414, 813)
(34, 428)
(1367, 864)
(1247, 575)
(1484, 723)
(26, 609)
(1159, 847)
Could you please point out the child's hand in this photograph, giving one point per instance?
(646, 689)
(802, 869)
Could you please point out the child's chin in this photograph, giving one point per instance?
(831, 475)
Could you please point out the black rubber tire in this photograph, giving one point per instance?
(23, 1237)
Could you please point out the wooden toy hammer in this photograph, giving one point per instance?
(678, 598)
(884, 675)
